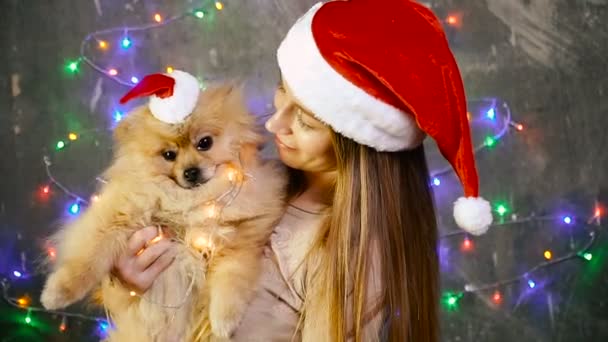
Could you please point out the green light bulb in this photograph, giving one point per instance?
(588, 256)
(72, 66)
(489, 141)
(60, 144)
(501, 210)
(199, 14)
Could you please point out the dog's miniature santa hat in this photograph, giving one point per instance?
(172, 96)
(382, 74)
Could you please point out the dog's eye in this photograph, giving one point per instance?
(204, 144)
(169, 155)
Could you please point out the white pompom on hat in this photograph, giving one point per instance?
(172, 96)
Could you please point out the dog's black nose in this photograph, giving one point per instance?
(192, 174)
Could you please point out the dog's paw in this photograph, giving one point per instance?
(225, 317)
(60, 291)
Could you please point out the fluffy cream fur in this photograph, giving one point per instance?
(145, 189)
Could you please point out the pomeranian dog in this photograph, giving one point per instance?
(202, 180)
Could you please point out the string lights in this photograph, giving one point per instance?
(24, 303)
(126, 41)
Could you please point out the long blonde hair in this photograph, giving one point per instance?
(380, 198)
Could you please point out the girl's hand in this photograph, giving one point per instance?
(148, 254)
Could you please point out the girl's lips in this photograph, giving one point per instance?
(282, 144)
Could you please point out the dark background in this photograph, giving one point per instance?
(546, 59)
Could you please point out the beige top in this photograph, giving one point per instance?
(274, 313)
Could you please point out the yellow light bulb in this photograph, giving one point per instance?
(219, 5)
(232, 173)
(72, 136)
(548, 255)
(103, 44)
(169, 69)
(200, 243)
(133, 293)
(23, 302)
(210, 210)
(158, 18)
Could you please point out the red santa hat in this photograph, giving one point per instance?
(172, 96)
(382, 74)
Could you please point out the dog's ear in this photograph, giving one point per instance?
(125, 127)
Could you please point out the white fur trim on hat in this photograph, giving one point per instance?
(176, 108)
(336, 101)
(473, 214)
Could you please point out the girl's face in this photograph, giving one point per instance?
(303, 142)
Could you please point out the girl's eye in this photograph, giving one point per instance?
(301, 121)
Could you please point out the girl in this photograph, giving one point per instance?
(354, 257)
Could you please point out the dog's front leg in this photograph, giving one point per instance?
(86, 252)
(231, 282)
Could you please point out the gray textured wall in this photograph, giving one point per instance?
(546, 58)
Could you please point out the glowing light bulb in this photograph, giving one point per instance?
(23, 301)
(489, 141)
(501, 209)
(72, 136)
(588, 256)
(467, 245)
(210, 210)
(72, 66)
(491, 114)
(60, 145)
(567, 220)
(232, 174)
(64, 324)
(117, 116)
(52, 253)
(74, 208)
(451, 300)
(598, 212)
(203, 244)
(497, 297)
(169, 69)
(133, 293)
(134, 80)
(531, 283)
(436, 181)
(103, 44)
(102, 328)
(158, 18)
(219, 5)
(112, 72)
(95, 198)
(17, 274)
(452, 20)
(519, 127)
(548, 255)
(46, 189)
(126, 42)
(199, 14)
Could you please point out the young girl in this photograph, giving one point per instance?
(354, 257)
